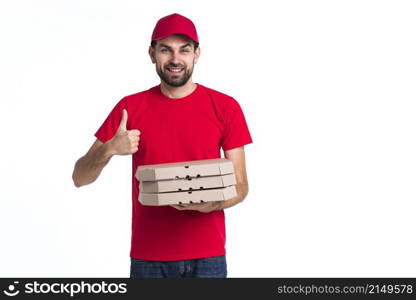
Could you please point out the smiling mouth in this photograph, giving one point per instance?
(175, 70)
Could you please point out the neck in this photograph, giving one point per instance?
(177, 91)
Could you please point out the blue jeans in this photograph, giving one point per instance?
(208, 267)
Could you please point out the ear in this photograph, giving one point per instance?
(197, 53)
(152, 54)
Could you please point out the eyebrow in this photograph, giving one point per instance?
(183, 46)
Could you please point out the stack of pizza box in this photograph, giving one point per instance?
(196, 181)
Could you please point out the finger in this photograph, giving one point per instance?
(183, 205)
(178, 207)
(193, 204)
(133, 138)
(134, 132)
(123, 122)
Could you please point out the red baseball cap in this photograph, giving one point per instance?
(174, 24)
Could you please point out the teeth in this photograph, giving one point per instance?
(175, 70)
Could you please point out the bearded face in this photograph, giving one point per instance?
(175, 58)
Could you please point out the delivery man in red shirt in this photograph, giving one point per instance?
(177, 120)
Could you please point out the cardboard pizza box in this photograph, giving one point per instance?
(191, 183)
(186, 169)
(199, 196)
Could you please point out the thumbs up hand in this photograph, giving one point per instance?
(125, 142)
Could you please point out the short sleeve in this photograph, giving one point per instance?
(236, 132)
(111, 123)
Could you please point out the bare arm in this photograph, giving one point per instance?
(237, 156)
(89, 167)
(124, 142)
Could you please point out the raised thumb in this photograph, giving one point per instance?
(123, 123)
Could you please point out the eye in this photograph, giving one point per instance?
(164, 50)
(185, 50)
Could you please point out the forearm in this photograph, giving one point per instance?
(242, 191)
(88, 168)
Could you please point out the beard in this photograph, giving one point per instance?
(174, 80)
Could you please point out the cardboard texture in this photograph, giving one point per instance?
(199, 196)
(187, 184)
(194, 181)
(187, 169)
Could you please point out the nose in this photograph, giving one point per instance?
(175, 58)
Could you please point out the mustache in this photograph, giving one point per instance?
(174, 66)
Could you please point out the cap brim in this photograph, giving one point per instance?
(162, 37)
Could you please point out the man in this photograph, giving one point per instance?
(178, 120)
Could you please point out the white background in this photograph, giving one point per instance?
(328, 91)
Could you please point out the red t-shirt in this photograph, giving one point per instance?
(172, 130)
